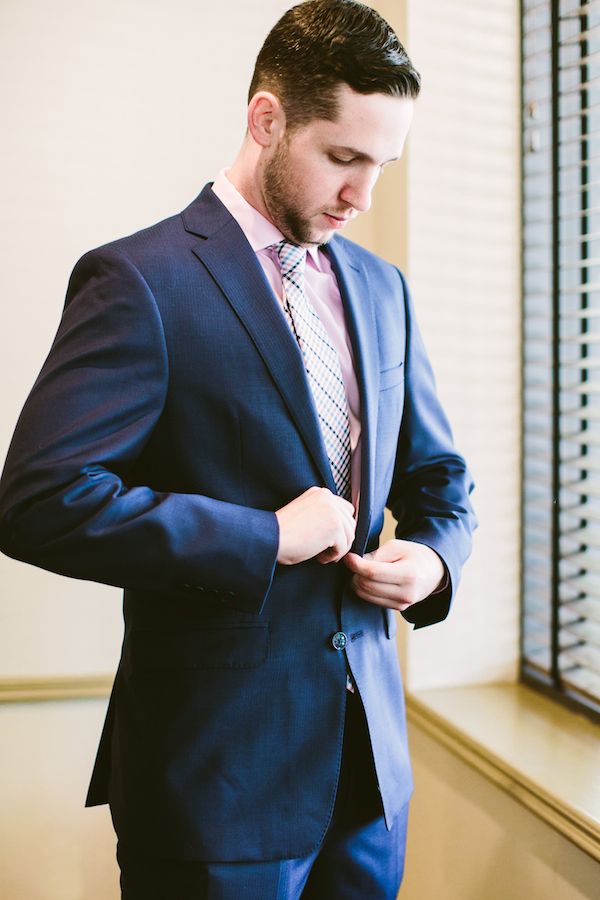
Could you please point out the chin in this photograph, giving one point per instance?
(305, 237)
(322, 237)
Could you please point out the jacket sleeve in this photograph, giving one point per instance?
(65, 501)
(429, 496)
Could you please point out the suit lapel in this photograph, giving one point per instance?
(360, 319)
(228, 257)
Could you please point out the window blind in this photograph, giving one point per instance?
(561, 347)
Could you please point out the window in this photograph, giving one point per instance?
(561, 348)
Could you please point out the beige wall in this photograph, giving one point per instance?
(113, 115)
(468, 840)
(51, 848)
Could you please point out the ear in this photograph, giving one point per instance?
(266, 118)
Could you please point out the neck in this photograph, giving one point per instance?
(246, 175)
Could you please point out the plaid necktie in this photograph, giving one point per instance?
(321, 362)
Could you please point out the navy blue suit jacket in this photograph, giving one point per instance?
(171, 418)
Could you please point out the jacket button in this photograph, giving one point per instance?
(339, 640)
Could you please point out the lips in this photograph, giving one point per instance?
(337, 221)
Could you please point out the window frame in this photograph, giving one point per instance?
(550, 679)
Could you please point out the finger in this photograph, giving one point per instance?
(395, 602)
(348, 507)
(311, 490)
(340, 509)
(351, 527)
(332, 554)
(340, 547)
(372, 589)
(346, 511)
(353, 561)
(328, 556)
(380, 572)
(392, 550)
(348, 526)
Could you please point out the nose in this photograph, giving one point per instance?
(357, 190)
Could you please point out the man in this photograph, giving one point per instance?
(233, 397)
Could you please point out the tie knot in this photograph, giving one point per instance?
(291, 258)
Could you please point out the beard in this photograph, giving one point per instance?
(283, 204)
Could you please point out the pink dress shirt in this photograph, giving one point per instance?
(321, 289)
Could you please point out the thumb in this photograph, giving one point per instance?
(391, 551)
(353, 561)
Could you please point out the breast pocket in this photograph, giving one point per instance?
(239, 646)
(390, 378)
(391, 397)
(389, 417)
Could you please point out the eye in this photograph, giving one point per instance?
(340, 161)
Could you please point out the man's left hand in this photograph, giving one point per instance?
(397, 574)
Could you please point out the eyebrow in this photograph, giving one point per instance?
(359, 154)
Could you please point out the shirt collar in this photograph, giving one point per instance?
(259, 231)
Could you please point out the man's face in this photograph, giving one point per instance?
(321, 175)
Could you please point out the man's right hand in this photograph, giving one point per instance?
(317, 523)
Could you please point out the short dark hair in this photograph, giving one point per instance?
(320, 44)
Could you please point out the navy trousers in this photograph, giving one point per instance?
(359, 858)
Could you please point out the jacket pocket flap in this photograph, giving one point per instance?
(240, 646)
